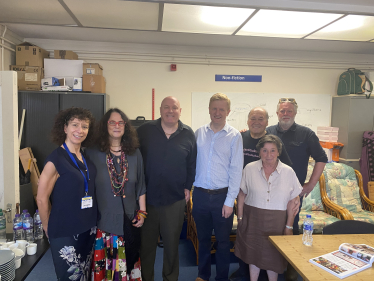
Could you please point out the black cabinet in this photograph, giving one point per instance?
(41, 108)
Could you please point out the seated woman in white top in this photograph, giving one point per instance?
(266, 188)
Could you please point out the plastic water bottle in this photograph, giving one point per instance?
(24, 212)
(308, 231)
(2, 225)
(28, 228)
(38, 227)
(18, 233)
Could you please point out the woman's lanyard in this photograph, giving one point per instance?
(86, 200)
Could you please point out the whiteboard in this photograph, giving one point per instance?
(314, 109)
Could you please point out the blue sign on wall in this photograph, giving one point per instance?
(239, 78)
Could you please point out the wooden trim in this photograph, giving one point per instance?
(367, 204)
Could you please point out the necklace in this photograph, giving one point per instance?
(117, 180)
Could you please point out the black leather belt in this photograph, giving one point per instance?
(213, 191)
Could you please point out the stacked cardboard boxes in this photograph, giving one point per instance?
(29, 66)
(93, 79)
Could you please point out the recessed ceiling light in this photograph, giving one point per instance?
(290, 24)
(203, 19)
(223, 16)
(347, 23)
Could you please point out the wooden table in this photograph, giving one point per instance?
(298, 255)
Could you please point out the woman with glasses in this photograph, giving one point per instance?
(68, 180)
(120, 191)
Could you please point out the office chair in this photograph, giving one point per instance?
(349, 227)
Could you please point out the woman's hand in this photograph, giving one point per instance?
(139, 223)
(287, 231)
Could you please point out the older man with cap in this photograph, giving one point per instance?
(169, 152)
(300, 143)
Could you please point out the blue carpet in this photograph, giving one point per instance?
(44, 270)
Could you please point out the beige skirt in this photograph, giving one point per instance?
(252, 243)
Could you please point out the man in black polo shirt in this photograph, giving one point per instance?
(169, 154)
(300, 143)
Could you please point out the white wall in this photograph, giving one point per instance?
(132, 70)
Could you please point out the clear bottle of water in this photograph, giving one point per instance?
(308, 231)
(24, 212)
(2, 225)
(28, 228)
(38, 227)
(18, 233)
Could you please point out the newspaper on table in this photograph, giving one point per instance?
(349, 259)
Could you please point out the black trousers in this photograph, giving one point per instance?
(167, 221)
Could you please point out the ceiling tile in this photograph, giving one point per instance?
(115, 14)
(34, 12)
(203, 19)
(350, 28)
(287, 24)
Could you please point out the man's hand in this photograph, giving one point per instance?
(243, 130)
(187, 195)
(226, 211)
(307, 188)
(293, 207)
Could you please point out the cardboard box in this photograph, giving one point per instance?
(92, 68)
(64, 54)
(29, 77)
(30, 55)
(77, 84)
(94, 83)
(63, 68)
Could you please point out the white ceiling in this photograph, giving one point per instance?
(178, 23)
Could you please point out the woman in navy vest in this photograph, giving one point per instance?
(68, 180)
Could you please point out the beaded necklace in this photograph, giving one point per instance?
(117, 180)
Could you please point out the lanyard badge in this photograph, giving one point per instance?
(86, 200)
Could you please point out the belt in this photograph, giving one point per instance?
(213, 191)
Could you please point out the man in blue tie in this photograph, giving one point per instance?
(218, 174)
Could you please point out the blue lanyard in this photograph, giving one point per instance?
(76, 164)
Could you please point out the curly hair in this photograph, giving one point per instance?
(129, 140)
(63, 118)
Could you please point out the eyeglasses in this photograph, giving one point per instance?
(291, 100)
(114, 123)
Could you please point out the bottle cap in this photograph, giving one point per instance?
(1, 212)
(24, 211)
(27, 215)
(37, 211)
(17, 215)
(308, 216)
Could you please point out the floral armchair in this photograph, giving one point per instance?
(323, 212)
(344, 187)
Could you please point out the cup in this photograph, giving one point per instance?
(17, 262)
(13, 246)
(22, 244)
(31, 249)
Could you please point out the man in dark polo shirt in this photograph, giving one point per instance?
(300, 143)
(169, 154)
(257, 122)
